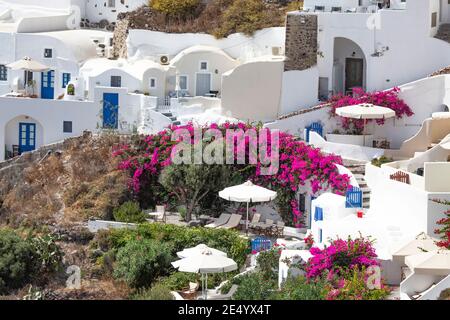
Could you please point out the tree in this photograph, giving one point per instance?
(191, 183)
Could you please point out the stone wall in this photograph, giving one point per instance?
(120, 38)
(301, 41)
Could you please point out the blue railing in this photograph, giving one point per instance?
(354, 198)
(316, 127)
(261, 244)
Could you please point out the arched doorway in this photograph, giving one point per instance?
(22, 134)
(349, 66)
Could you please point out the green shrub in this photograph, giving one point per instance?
(180, 8)
(299, 288)
(268, 262)
(253, 286)
(247, 16)
(180, 238)
(17, 261)
(381, 160)
(179, 280)
(48, 253)
(129, 212)
(156, 292)
(140, 262)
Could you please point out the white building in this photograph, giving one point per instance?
(98, 10)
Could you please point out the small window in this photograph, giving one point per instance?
(65, 79)
(152, 83)
(3, 73)
(48, 53)
(116, 81)
(204, 65)
(434, 19)
(67, 126)
(111, 3)
(183, 82)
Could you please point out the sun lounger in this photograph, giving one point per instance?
(222, 220)
(234, 222)
(255, 221)
(227, 296)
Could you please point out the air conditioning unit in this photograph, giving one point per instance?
(277, 51)
(164, 59)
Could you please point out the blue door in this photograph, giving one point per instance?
(110, 110)
(27, 137)
(48, 84)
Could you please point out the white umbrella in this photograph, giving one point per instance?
(199, 250)
(422, 243)
(365, 111)
(205, 263)
(434, 262)
(27, 64)
(247, 192)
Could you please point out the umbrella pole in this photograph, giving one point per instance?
(364, 133)
(246, 221)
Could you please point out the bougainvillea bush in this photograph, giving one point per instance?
(444, 230)
(388, 99)
(344, 264)
(299, 165)
(341, 255)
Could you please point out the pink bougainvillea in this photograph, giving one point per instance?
(388, 99)
(299, 165)
(341, 255)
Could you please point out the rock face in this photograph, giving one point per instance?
(301, 41)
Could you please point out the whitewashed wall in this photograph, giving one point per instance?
(49, 114)
(144, 43)
(407, 33)
(299, 86)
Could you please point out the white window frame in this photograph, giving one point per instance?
(187, 82)
(200, 65)
(150, 83)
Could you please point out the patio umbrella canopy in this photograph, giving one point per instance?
(199, 250)
(420, 244)
(204, 263)
(434, 262)
(28, 64)
(365, 111)
(247, 192)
